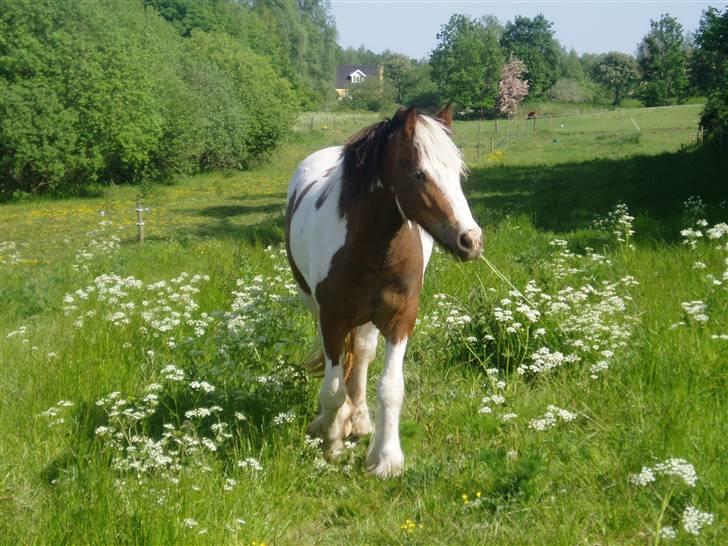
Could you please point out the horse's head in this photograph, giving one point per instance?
(423, 166)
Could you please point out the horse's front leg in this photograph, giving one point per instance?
(385, 456)
(333, 424)
(365, 349)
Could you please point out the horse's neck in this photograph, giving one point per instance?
(375, 221)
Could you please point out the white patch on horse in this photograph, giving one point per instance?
(443, 161)
(385, 456)
(317, 234)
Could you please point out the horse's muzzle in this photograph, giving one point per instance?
(470, 244)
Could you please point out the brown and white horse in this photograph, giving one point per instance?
(360, 225)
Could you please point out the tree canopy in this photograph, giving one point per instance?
(467, 61)
(94, 94)
(663, 62)
(619, 73)
(532, 41)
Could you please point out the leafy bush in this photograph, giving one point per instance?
(90, 94)
(714, 118)
(565, 90)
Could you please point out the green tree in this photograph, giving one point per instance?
(662, 61)
(532, 41)
(421, 91)
(93, 94)
(467, 61)
(570, 66)
(709, 61)
(710, 69)
(618, 72)
(373, 95)
(398, 70)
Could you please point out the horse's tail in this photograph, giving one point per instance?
(315, 361)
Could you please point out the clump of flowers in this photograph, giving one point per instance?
(55, 413)
(695, 310)
(409, 526)
(620, 223)
(497, 156)
(551, 418)
(692, 519)
(694, 208)
(679, 468)
(157, 310)
(101, 243)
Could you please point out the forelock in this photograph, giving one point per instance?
(438, 154)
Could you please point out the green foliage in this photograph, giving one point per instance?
(710, 69)
(663, 62)
(618, 73)
(258, 106)
(371, 95)
(532, 41)
(570, 66)
(95, 95)
(567, 90)
(421, 91)
(709, 59)
(467, 61)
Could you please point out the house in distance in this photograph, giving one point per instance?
(348, 75)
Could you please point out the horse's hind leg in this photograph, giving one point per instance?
(333, 425)
(365, 349)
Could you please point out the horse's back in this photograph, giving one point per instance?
(316, 230)
(314, 168)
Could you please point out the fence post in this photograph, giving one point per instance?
(140, 220)
(508, 132)
(478, 143)
(312, 122)
(496, 125)
(534, 123)
(491, 144)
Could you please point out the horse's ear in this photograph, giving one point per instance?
(410, 120)
(445, 115)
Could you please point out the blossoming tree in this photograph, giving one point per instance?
(511, 88)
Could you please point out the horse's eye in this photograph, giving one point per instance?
(419, 175)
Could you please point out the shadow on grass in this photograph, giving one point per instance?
(567, 197)
(269, 230)
(227, 211)
(264, 233)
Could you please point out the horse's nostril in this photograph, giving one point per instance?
(466, 242)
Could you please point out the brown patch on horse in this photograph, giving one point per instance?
(445, 115)
(293, 203)
(321, 199)
(375, 277)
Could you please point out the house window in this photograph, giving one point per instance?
(357, 77)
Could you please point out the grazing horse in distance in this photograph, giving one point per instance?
(360, 224)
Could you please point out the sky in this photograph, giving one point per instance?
(411, 26)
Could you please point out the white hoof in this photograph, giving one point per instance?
(332, 428)
(361, 424)
(385, 465)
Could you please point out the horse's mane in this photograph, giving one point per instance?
(362, 157)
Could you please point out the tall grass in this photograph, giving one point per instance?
(182, 419)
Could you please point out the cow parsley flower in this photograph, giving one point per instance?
(694, 520)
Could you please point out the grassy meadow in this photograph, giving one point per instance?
(151, 393)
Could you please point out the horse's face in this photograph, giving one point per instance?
(423, 167)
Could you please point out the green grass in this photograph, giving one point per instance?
(663, 395)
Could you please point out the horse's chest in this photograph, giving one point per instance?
(371, 282)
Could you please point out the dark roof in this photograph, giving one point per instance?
(344, 70)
